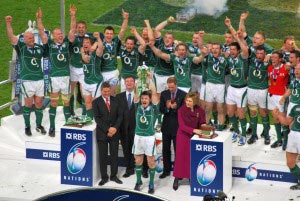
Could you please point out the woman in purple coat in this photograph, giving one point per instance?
(190, 117)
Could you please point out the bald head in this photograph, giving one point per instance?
(29, 39)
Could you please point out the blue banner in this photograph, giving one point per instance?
(76, 157)
(43, 154)
(206, 167)
(46, 69)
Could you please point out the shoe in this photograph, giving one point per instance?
(252, 139)
(28, 131)
(249, 131)
(145, 174)
(284, 145)
(138, 186)
(116, 179)
(158, 128)
(164, 175)
(295, 187)
(41, 130)
(175, 184)
(267, 141)
(52, 132)
(102, 182)
(128, 174)
(242, 141)
(276, 144)
(151, 188)
(234, 137)
(220, 127)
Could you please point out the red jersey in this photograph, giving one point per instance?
(279, 78)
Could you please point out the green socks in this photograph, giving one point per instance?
(152, 174)
(278, 131)
(89, 113)
(26, 115)
(72, 105)
(296, 172)
(67, 112)
(52, 114)
(266, 125)
(253, 125)
(138, 172)
(243, 126)
(39, 116)
(234, 122)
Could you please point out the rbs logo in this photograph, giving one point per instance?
(76, 136)
(206, 148)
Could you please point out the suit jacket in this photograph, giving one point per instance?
(105, 118)
(170, 121)
(128, 123)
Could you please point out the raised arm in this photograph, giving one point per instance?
(155, 98)
(43, 35)
(99, 50)
(142, 46)
(227, 22)
(161, 26)
(242, 26)
(13, 39)
(243, 44)
(124, 26)
(149, 30)
(71, 35)
(159, 53)
(204, 52)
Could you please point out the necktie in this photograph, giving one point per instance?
(107, 104)
(172, 97)
(129, 100)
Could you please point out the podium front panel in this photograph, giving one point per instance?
(76, 156)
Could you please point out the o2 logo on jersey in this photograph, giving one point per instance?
(76, 159)
(251, 172)
(206, 171)
(159, 165)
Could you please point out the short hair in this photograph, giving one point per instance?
(279, 53)
(296, 52)
(109, 28)
(146, 93)
(228, 32)
(219, 44)
(172, 80)
(130, 76)
(236, 44)
(181, 44)
(194, 96)
(262, 34)
(81, 22)
(88, 38)
(169, 33)
(288, 38)
(131, 38)
(261, 47)
(105, 85)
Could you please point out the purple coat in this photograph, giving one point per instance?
(188, 121)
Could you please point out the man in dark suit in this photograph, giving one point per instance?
(170, 100)
(125, 100)
(108, 116)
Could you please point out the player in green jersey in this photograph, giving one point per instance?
(112, 45)
(288, 46)
(30, 55)
(131, 56)
(144, 139)
(92, 73)
(58, 48)
(181, 63)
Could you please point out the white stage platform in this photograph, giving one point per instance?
(27, 179)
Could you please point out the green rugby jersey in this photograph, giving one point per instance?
(30, 60)
(196, 69)
(182, 69)
(59, 57)
(145, 119)
(295, 114)
(75, 55)
(110, 54)
(130, 62)
(294, 86)
(163, 67)
(148, 56)
(92, 72)
(216, 68)
(252, 49)
(238, 68)
(258, 74)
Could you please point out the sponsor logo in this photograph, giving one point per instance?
(76, 159)
(206, 148)
(251, 172)
(206, 171)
